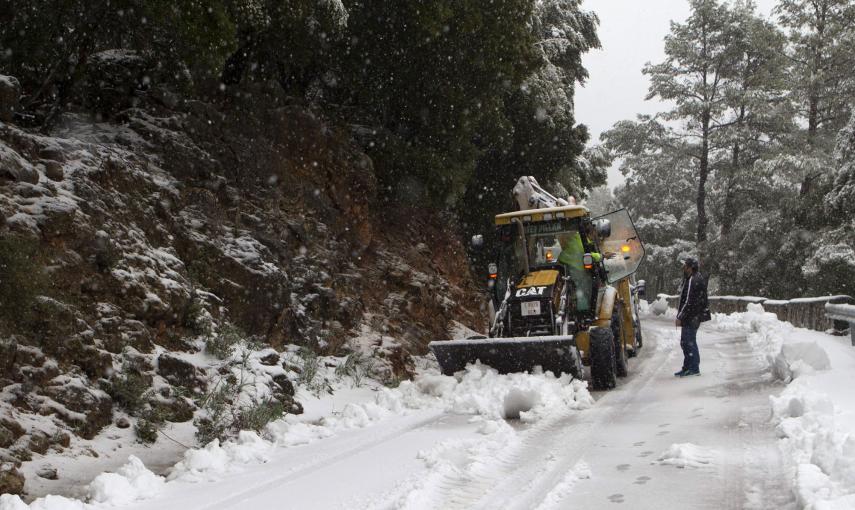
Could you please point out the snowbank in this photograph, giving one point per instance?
(213, 461)
(478, 391)
(815, 413)
(685, 455)
(660, 306)
(780, 343)
(130, 483)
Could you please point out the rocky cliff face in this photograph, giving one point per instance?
(128, 246)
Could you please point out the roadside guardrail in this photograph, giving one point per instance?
(805, 312)
(843, 313)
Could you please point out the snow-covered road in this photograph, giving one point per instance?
(699, 442)
(770, 423)
(696, 442)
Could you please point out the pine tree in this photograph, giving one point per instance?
(757, 116)
(660, 175)
(541, 136)
(821, 36)
(289, 41)
(431, 77)
(700, 60)
(821, 54)
(841, 199)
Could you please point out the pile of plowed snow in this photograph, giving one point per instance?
(478, 391)
(815, 412)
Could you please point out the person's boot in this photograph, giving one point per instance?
(691, 372)
(681, 373)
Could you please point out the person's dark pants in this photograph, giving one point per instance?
(689, 343)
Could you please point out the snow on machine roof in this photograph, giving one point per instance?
(550, 213)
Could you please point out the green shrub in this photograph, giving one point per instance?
(393, 381)
(129, 390)
(255, 417)
(148, 425)
(195, 317)
(217, 407)
(357, 366)
(227, 338)
(309, 365)
(224, 416)
(146, 431)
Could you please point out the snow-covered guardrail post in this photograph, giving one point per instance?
(846, 313)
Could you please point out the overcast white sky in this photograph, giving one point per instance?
(631, 33)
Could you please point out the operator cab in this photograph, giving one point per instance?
(529, 271)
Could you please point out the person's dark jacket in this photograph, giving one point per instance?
(692, 300)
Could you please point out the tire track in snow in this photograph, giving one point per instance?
(324, 462)
(525, 474)
(759, 480)
(461, 472)
(538, 487)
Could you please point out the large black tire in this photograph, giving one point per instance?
(638, 343)
(620, 351)
(603, 368)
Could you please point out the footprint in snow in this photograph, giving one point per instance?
(641, 480)
(661, 425)
(616, 498)
(623, 467)
(662, 433)
(640, 443)
(646, 453)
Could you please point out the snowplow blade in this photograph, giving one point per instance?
(507, 355)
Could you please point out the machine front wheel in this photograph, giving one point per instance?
(603, 368)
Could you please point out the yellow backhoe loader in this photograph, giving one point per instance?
(561, 292)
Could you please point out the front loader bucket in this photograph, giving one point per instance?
(507, 355)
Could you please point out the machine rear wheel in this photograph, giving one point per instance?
(603, 369)
(620, 351)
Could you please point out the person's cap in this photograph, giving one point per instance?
(691, 262)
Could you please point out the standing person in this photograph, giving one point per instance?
(689, 316)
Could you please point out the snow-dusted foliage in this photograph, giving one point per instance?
(336, 10)
(564, 32)
(841, 199)
(749, 145)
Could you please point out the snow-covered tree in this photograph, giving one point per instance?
(547, 142)
(700, 61)
(542, 137)
(563, 34)
(822, 55)
(830, 268)
(290, 41)
(48, 44)
(757, 116)
(658, 192)
(658, 166)
(841, 199)
(601, 200)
